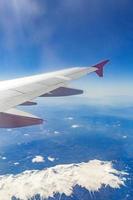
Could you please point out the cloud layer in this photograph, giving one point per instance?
(92, 175)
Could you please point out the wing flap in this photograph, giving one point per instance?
(63, 91)
(28, 103)
(14, 118)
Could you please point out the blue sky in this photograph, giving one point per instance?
(46, 35)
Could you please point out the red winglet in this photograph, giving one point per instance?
(99, 67)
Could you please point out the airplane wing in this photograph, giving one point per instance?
(22, 91)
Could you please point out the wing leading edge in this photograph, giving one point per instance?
(22, 91)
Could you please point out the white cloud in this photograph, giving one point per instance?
(26, 134)
(38, 159)
(51, 159)
(61, 179)
(75, 126)
(16, 163)
(9, 130)
(69, 118)
(4, 158)
(124, 136)
(56, 132)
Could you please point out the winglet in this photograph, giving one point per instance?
(99, 67)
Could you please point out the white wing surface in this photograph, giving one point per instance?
(23, 91)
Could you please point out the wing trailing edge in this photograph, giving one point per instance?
(63, 91)
(14, 118)
(28, 103)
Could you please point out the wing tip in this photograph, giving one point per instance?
(100, 67)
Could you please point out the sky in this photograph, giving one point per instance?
(38, 36)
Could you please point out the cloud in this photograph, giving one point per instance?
(75, 126)
(26, 134)
(124, 136)
(69, 118)
(16, 163)
(17, 20)
(51, 159)
(56, 132)
(92, 175)
(38, 159)
(3, 158)
(27, 26)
